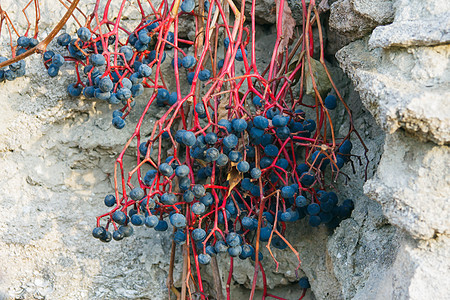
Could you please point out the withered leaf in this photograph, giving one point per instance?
(320, 78)
(287, 26)
(234, 177)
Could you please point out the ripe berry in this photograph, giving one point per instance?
(190, 77)
(255, 173)
(127, 52)
(247, 251)
(314, 221)
(283, 132)
(204, 259)
(287, 192)
(137, 219)
(151, 221)
(257, 101)
(162, 226)
(235, 251)
(204, 75)
(309, 125)
(307, 179)
(198, 234)
(207, 200)
(168, 199)
(260, 122)
(198, 190)
(235, 156)
(98, 232)
(123, 94)
(189, 138)
(239, 55)
(265, 162)
(52, 71)
(178, 220)
(163, 95)
(182, 171)
(165, 169)
(345, 147)
(280, 121)
(210, 250)
(212, 154)
(278, 243)
(198, 208)
(220, 247)
(126, 230)
(118, 235)
(313, 209)
(238, 125)
(220, 64)
(230, 141)
(110, 200)
(330, 102)
(58, 60)
(225, 123)
(301, 201)
(137, 194)
(304, 283)
(74, 91)
(145, 70)
(63, 39)
(243, 167)
(265, 233)
(271, 150)
(188, 61)
(222, 160)
(97, 60)
(233, 239)
(84, 34)
(119, 217)
(211, 138)
(107, 237)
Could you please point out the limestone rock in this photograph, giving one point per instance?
(412, 184)
(407, 89)
(415, 24)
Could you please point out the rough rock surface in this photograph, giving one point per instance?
(353, 19)
(412, 184)
(403, 89)
(415, 24)
(406, 90)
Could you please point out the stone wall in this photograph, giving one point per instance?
(58, 152)
(402, 72)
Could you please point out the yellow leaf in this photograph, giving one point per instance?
(234, 177)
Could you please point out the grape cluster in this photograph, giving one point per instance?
(231, 147)
(17, 69)
(245, 162)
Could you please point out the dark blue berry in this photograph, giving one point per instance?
(165, 169)
(137, 219)
(204, 259)
(304, 283)
(204, 75)
(330, 102)
(162, 226)
(84, 34)
(230, 141)
(110, 200)
(151, 221)
(119, 217)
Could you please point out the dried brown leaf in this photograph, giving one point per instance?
(287, 26)
(234, 177)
